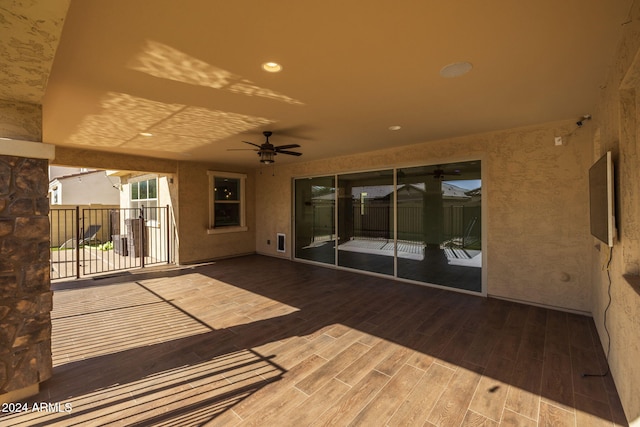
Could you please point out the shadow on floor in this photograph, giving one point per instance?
(186, 345)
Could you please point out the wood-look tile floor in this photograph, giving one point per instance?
(259, 341)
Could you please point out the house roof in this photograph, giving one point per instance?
(189, 72)
(75, 175)
(449, 191)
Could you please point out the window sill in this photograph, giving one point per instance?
(224, 230)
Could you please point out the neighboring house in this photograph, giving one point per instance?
(83, 188)
(147, 196)
(141, 190)
(88, 187)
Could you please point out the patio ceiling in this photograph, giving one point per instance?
(190, 72)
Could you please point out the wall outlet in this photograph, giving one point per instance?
(558, 140)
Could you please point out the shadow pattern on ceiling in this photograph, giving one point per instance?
(160, 60)
(176, 128)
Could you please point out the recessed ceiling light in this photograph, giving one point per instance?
(272, 67)
(456, 69)
(395, 127)
(146, 134)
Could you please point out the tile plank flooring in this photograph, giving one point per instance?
(259, 341)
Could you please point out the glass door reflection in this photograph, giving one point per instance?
(366, 222)
(315, 219)
(439, 232)
(433, 213)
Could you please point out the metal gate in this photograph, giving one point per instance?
(87, 241)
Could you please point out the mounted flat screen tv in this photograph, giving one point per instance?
(601, 200)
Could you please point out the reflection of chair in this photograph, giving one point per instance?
(88, 237)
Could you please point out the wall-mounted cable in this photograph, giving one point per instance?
(605, 320)
(581, 121)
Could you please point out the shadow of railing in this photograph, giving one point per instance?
(457, 329)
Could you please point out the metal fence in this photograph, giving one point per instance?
(100, 240)
(459, 225)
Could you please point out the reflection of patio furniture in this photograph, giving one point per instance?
(89, 236)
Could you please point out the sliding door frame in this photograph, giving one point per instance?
(335, 176)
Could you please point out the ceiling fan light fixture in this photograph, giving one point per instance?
(266, 157)
(272, 67)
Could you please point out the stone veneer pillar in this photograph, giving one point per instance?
(25, 295)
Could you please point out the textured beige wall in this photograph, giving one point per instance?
(30, 34)
(66, 156)
(537, 226)
(20, 120)
(619, 131)
(193, 217)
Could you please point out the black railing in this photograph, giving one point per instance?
(459, 225)
(99, 240)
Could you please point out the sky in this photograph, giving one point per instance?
(469, 184)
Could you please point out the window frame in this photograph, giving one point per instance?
(212, 175)
(135, 203)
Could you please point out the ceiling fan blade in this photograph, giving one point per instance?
(284, 147)
(291, 153)
(251, 143)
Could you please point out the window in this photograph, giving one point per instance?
(226, 206)
(55, 195)
(144, 194)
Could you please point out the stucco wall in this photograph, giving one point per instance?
(195, 244)
(20, 120)
(619, 131)
(536, 196)
(75, 157)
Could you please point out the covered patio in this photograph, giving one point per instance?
(257, 340)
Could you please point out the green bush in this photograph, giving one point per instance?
(107, 246)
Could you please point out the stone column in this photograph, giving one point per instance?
(25, 295)
(25, 292)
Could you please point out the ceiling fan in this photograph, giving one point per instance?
(267, 151)
(440, 173)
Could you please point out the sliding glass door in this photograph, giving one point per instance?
(365, 221)
(420, 224)
(439, 232)
(315, 219)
